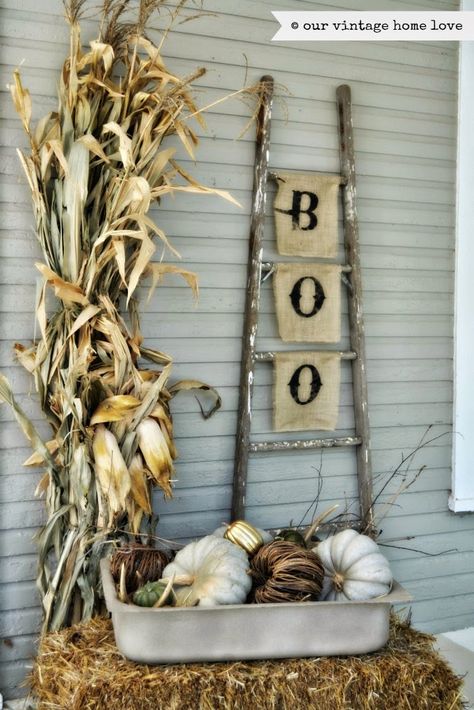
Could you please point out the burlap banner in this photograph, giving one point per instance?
(305, 210)
(308, 302)
(306, 391)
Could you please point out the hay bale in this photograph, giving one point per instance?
(80, 668)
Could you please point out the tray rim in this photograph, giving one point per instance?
(397, 595)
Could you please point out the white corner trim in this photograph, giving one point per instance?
(461, 505)
(462, 496)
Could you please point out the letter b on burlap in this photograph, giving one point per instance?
(305, 211)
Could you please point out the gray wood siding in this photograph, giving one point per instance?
(404, 97)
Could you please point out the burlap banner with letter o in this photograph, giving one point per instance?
(308, 302)
(306, 391)
(305, 210)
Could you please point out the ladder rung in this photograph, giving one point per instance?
(271, 175)
(270, 356)
(263, 446)
(330, 527)
(268, 266)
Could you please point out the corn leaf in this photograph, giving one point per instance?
(115, 408)
(125, 144)
(89, 312)
(37, 459)
(140, 487)
(157, 271)
(21, 100)
(67, 292)
(28, 428)
(147, 249)
(191, 385)
(92, 144)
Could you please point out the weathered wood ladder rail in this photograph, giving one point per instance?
(361, 439)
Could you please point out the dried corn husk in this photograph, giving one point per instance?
(156, 453)
(94, 167)
(110, 468)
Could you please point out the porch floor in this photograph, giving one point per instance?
(457, 647)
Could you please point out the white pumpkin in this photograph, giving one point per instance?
(210, 572)
(354, 568)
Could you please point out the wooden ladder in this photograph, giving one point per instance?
(351, 276)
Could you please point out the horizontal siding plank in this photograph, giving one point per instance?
(17, 542)
(16, 271)
(379, 395)
(441, 625)
(228, 325)
(249, 9)
(440, 607)
(11, 677)
(396, 372)
(273, 466)
(443, 587)
(21, 486)
(418, 506)
(19, 595)
(19, 568)
(206, 250)
(428, 546)
(385, 166)
(18, 648)
(351, 5)
(368, 141)
(48, 55)
(235, 226)
(427, 569)
(375, 113)
(382, 102)
(376, 5)
(388, 188)
(13, 515)
(188, 408)
(213, 448)
(12, 624)
(202, 350)
(431, 498)
(179, 300)
(202, 522)
(387, 415)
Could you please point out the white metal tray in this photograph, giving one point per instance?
(249, 631)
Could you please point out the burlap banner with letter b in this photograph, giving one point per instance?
(306, 391)
(308, 302)
(305, 210)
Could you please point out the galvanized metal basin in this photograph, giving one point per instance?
(249, 631)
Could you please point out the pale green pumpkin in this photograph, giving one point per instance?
(150, 593)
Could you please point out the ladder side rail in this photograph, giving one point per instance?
(356, 320)
(252, 301)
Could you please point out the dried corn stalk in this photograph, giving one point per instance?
(94, 168)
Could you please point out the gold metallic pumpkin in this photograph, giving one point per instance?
(245, 536)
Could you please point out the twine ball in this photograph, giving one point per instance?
(142, 564)
(283, 571)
